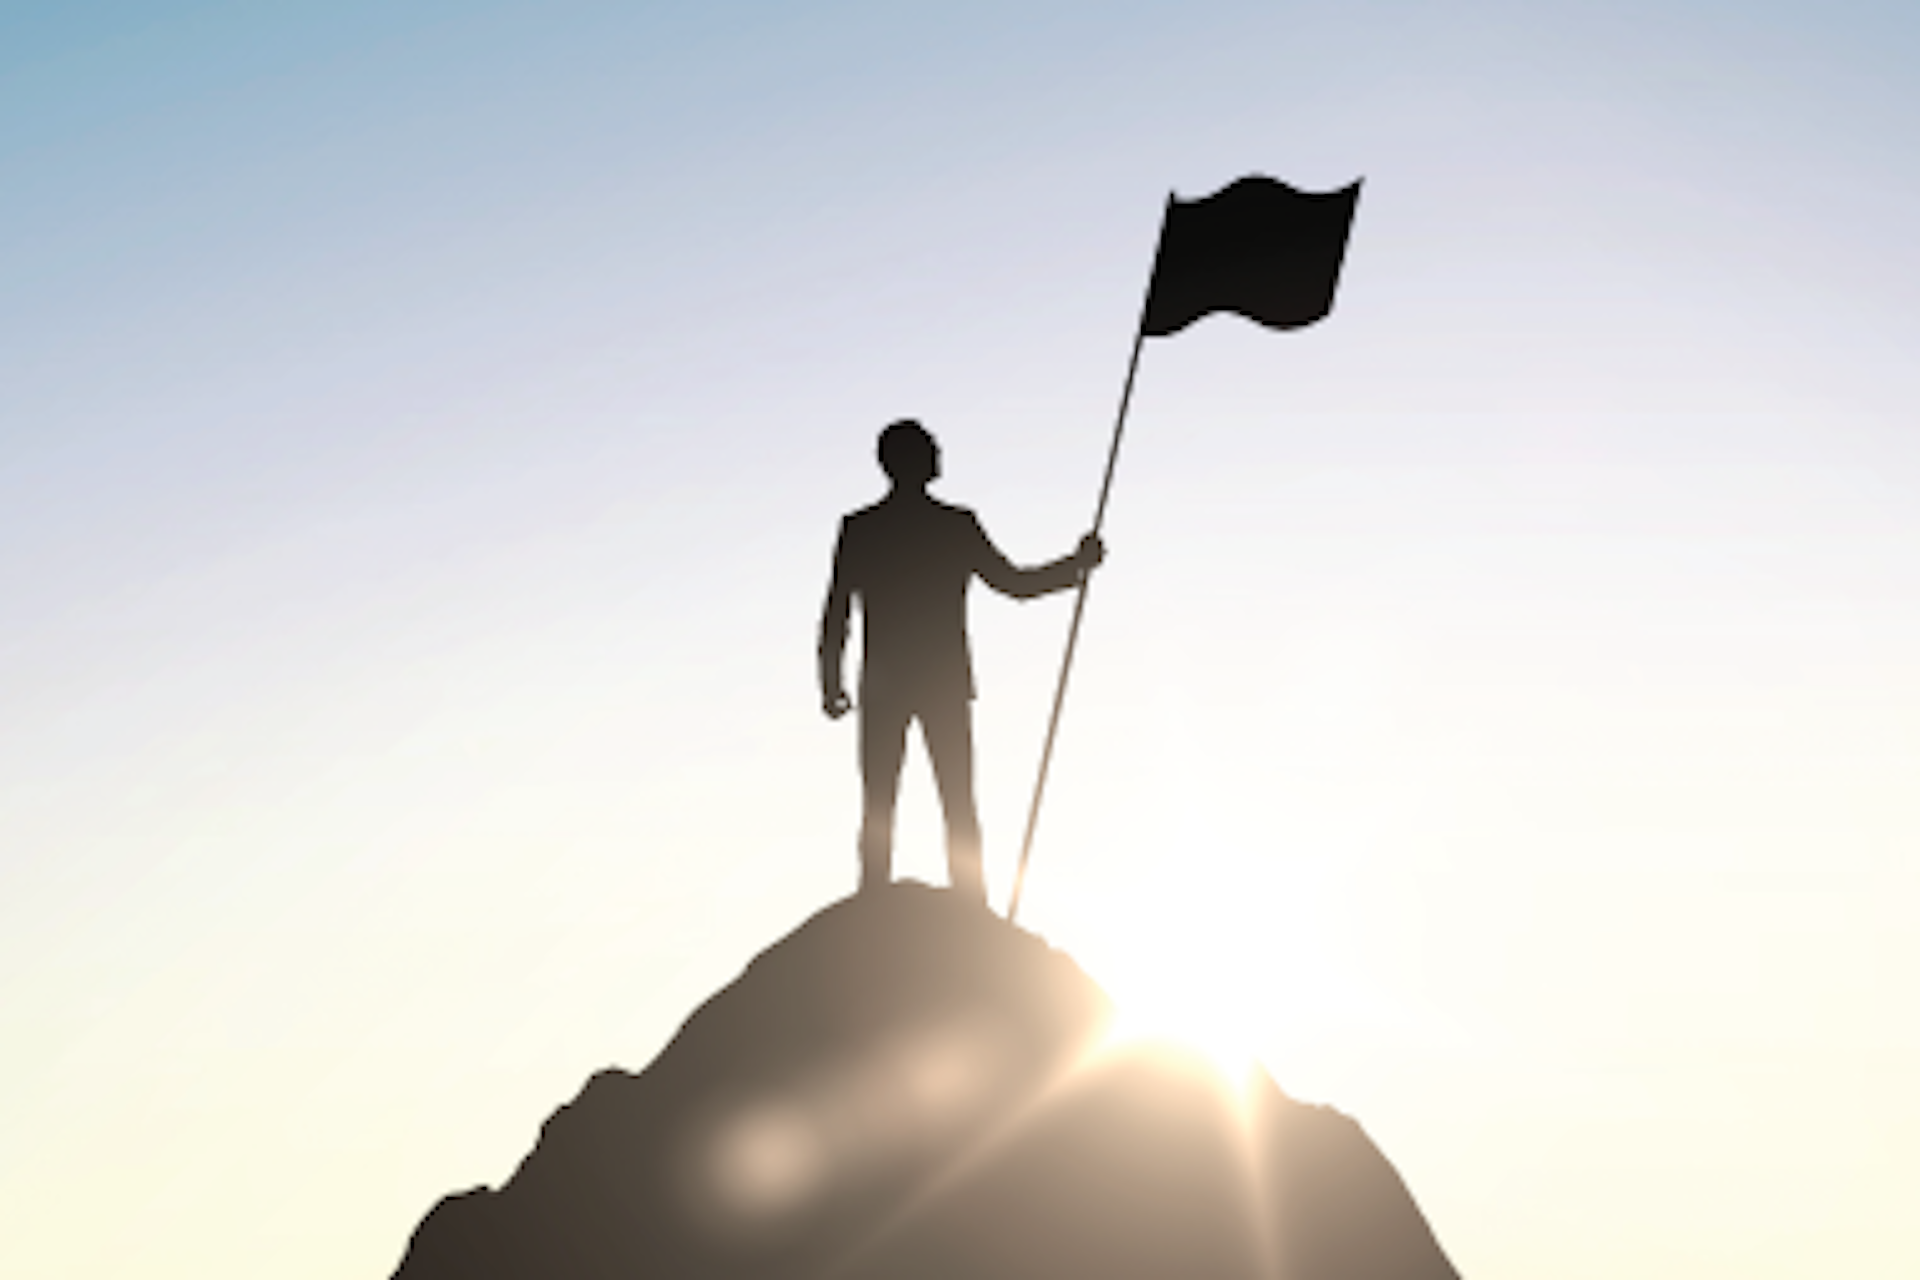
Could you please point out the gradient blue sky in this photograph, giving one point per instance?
(422, 428)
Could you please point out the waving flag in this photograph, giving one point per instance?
(1257, 248)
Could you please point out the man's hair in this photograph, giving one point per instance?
(903, 447)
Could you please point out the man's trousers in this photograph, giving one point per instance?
(946, 725)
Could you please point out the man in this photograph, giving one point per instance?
(909, 560)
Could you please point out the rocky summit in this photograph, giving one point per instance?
(910, 1087)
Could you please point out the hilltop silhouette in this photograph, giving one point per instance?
(909, 1086)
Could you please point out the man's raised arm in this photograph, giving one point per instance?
(833, 635)
(1010, 579)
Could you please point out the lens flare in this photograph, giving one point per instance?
(766, 1161)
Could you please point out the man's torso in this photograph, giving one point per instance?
(910, 561)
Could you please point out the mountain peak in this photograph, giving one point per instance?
(907, 1085)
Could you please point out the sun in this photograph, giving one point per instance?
(1159, 1009)
(1183, 983)
(1237, 969)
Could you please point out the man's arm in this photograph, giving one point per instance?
(833, 634)
(1010, 579)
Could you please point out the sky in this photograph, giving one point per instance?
(422, 432)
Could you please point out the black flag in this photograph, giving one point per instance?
(1257, 248)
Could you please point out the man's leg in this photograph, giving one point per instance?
(883, 744)
(948, 727)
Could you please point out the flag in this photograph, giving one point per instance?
(1257, 248)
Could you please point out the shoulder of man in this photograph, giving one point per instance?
(868, 517)
(957, 515)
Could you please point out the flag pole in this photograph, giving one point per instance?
(1079, 608)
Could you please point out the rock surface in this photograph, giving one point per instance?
(908, 1086)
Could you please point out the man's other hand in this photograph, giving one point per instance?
(1091, 553)
(836, 703)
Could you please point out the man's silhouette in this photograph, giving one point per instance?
(909, 560)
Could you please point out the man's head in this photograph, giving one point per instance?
(909, 455)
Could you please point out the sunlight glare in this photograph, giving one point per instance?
(1236, 962)
(1155, 1013)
